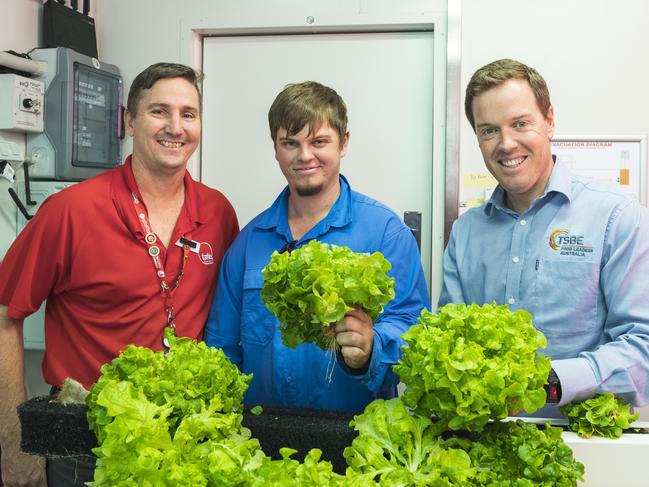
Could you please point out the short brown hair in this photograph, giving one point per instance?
(498, 72)
(308, 103)
(154, 73)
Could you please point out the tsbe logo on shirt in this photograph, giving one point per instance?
(565, 243)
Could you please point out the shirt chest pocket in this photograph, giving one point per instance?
(258, 324)
(567, 296)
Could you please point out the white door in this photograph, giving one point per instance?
(386, 80)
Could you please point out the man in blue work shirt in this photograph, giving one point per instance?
(308, 126)
(571, 251)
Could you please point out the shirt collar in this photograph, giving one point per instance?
(559, 182)
(340, 214)
(124, 185)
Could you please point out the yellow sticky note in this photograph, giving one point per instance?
(479, 180)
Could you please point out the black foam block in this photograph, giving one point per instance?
(56, 430)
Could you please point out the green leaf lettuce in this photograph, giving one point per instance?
(313, 286)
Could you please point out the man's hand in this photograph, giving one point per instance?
(355, 335)
(22, 470)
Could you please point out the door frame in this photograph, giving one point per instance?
(445, 22)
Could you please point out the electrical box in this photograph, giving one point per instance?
(21, 103)
(83, 117)
(12, 146)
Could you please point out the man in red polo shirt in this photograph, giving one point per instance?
(118, 258)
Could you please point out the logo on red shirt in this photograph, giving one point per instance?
(205, 253)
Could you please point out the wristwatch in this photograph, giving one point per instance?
(553, 388)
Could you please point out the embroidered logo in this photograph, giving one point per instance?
(205, 253)
(565, 243)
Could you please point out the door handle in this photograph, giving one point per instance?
(412, 219)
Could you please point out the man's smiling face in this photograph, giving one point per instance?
(310, 161)
(167, 126)
(514, 138)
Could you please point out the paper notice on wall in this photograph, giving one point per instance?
(619, 161)
(477, 189)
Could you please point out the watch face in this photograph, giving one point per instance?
(552, 392)
(553, 388)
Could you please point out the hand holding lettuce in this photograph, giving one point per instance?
(313, 287)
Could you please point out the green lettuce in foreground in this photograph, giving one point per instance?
(313, 286)
(515, 453)
(171, 419)
(291, 473)
(469, 364)
(603, 415)
(397, 448)
(394, 447)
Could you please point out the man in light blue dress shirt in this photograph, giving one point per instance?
(571, 251)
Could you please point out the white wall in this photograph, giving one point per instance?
(592, 53)
(20, 24)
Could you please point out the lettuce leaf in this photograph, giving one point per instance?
(521, 454)
(171, 419)
(469, 363)
(602, 415)
(291, 473)
(394, 447)
(315, 285)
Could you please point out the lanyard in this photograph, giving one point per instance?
(154, 251)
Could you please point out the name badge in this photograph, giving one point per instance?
(192, 244)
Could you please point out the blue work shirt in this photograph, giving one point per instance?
(577, 260)
(245, 329)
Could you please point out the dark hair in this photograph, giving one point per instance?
(308, 103)
(154, 73)
(498, 72)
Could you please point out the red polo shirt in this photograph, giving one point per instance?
(84, 252)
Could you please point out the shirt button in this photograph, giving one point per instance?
(511, 300)
(523, 222)
(515, 260)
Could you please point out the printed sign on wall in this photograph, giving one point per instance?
(617, 160)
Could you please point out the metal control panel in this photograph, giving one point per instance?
(83, 127)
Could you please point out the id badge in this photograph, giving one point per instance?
(192, 244)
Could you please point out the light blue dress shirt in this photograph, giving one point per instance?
(242, 326)
(578, 261)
